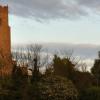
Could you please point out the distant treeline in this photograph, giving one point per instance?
(64, 78)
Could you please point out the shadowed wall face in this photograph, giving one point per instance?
(5, 46)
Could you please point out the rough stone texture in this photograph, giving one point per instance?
(5, 45)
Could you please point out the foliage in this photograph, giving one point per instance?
(53, 88)
(83, 80)
(92, 93)
(63, 67)
(61, 81)
(96, 70)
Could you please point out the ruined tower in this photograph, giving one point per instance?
(5, 45)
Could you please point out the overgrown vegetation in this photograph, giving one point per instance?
(60, 81)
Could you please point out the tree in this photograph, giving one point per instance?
(53, 88)
(96, 70)
(83, 80)
(92, 93)
(63, 67)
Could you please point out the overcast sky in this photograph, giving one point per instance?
(60, 21)
(70, 22)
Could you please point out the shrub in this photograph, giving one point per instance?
(92, 93)
(53, 88)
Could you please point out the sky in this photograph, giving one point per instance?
(73, 24)
(54, 21)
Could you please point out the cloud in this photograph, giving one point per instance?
(93, 5)
(45, 9)
(86, 52)
(89, 3)
(51, 9)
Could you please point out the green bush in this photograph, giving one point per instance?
(53, 88)
(92, 93)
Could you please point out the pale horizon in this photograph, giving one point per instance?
(74, 23)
